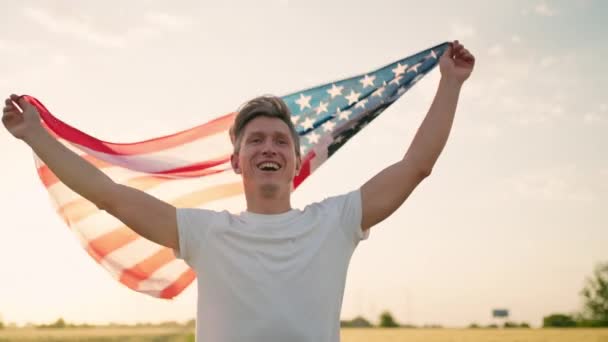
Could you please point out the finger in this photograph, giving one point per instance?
(448, 52)
(9, 116)
(9, 106)
(15, 101)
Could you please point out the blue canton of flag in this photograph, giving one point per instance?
(328, 115)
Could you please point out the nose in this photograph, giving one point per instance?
(268, 149)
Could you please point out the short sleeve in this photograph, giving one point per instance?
(349, 207)
(192, 227)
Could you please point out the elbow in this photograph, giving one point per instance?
(424, 172)
(105, 200)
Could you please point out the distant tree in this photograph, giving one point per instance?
(473, 326)
(1, 325)
(516, 325)
(492, 326)
(357, 322)
(595, 297)
(558, 320)
(387, 321)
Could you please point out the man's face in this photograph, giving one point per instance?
(267, 158)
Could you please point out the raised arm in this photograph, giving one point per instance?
(148, 216)
(387, 190)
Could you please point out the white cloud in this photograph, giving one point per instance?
(593, 117)
(462, 31)
(77, 28)
(548, 61)
(167, 21)
(539, 113)
(558, 183)
(496, 50)
(597, 116)
(544, 10)
(152, 25)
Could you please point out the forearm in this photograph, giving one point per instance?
(434, 131)
(71, 169)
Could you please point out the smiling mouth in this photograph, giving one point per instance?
(269, 166)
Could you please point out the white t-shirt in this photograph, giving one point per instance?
(264, 278)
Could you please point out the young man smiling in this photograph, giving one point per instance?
(270, 273)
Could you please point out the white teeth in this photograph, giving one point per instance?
(269, 166)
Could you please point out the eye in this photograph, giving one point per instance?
(282, 142)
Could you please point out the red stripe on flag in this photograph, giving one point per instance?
(113, 240)
(179, 285)
(304, 169)
(141, 271)
(74, 135)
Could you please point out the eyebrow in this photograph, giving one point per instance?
(271, 133)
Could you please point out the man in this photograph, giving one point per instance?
(270, 273)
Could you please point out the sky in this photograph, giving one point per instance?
(513, 215)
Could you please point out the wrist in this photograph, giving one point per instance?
(32, 136)
(451, 82)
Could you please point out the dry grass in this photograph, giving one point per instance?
(348, 335)
(475, 335)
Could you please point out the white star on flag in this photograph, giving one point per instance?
(414, 67)
(396, 80)
(335, 90)
(328, 126)
(322, 107)
(304, 101)
(367, 81)
(361, 104)
(400, 69)
(353, 97)
(307, 124)
(313, 138)
(344, 115)
(294, 119)
(378, 92)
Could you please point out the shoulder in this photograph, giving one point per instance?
(202, 218)
(342, 201)
(338, 205)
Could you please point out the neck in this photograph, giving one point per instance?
(261, 201)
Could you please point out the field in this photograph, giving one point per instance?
(348, 335)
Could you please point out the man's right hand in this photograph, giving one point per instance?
(20, 118)
(150, 217)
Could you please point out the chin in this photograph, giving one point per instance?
(269, 190)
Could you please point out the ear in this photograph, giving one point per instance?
(234, 161)
(298, 164)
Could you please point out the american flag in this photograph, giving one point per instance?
(171, 167)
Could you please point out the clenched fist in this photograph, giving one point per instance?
(20, 118)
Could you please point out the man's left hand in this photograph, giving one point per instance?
(456, 63)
